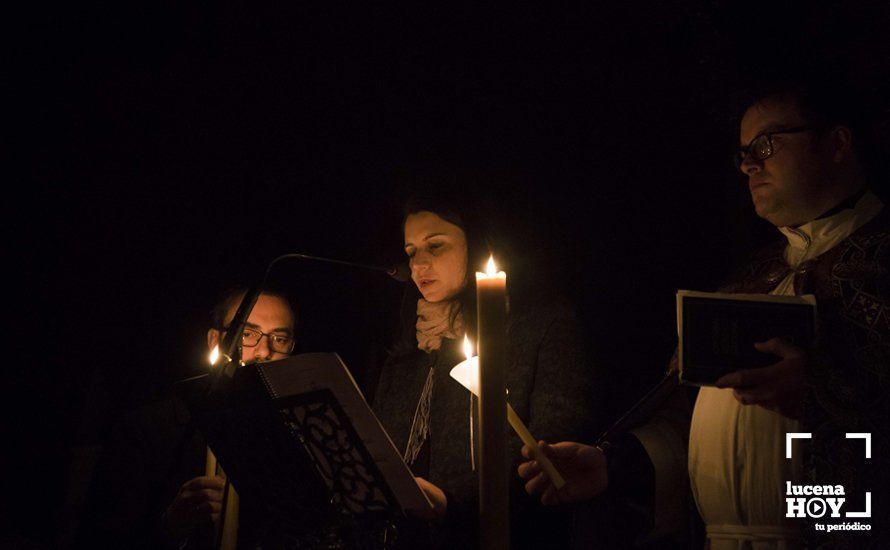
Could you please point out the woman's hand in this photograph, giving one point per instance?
(436, 496)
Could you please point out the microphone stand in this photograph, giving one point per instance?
(230, 341)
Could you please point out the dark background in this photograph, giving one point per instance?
(162, 152)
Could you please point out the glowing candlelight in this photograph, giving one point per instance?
(467, 372)
(491, 271)
(214, 355)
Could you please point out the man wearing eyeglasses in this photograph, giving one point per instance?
(807, 175)
(268, 336)
(807, 163)
(269, 331)
(141, 499)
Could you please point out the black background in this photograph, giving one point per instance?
(162, 152)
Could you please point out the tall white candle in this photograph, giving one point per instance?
(491, 304)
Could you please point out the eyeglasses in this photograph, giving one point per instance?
(279, 342)
(761, 147)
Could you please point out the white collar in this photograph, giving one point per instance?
(817, 236)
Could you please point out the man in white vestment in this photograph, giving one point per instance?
(807, 175)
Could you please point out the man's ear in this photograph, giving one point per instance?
(841, 143)
(212, 338)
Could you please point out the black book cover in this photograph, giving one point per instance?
(718, 331)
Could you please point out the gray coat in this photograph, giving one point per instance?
(549, 382)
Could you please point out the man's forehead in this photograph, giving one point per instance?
(769, 114)
(269, 313)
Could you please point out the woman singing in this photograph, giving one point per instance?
(431, 417)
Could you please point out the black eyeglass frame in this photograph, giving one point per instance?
(268, 338)
(743, 152)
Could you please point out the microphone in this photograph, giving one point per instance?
(400, 272)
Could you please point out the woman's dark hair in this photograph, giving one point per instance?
(478, 250)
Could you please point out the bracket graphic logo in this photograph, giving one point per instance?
(815, 501)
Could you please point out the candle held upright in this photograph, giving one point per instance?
(229, 531)
(491, 300)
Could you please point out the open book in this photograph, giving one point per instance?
(319, 398)
(301, 444)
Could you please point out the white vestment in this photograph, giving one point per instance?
(737, 465)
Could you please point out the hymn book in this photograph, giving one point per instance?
(334, 414)
(305, 450)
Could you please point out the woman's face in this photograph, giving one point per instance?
(438, 255)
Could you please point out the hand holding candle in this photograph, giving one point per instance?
(467, 373)
(584, 466)
(536, 451)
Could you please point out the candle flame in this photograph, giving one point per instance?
(468, 348)
(214, 355)
(490, 269)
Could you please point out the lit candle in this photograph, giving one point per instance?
(210, 464)
(467, 373)
(212, 468)
(491, 309)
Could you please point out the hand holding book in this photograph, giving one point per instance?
(723, 334)
(778, 387)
